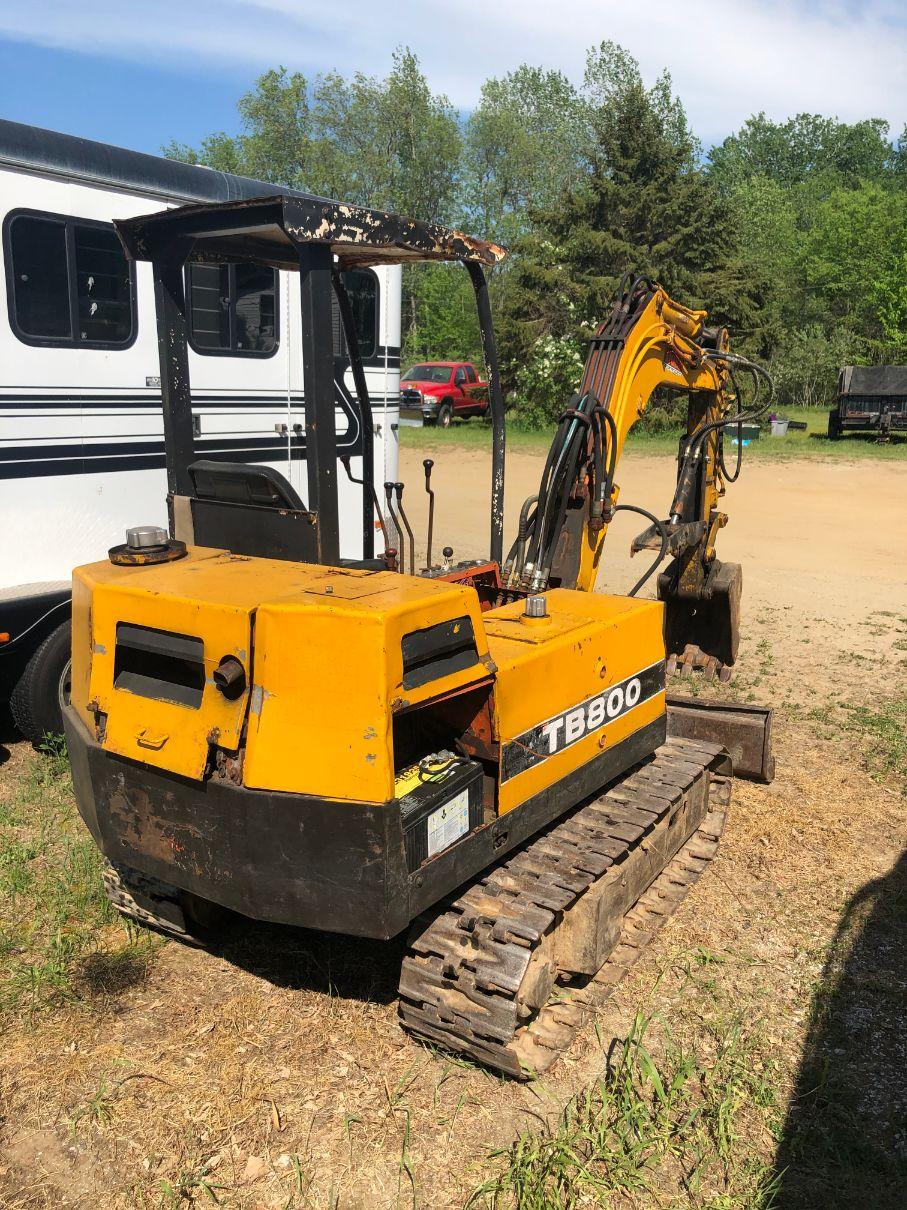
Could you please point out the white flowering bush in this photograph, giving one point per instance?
(545, 382)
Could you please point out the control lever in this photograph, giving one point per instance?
(398, 487)
(344, 458)
(428, 464)
(398, 532)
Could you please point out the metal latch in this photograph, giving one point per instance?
(146, 739)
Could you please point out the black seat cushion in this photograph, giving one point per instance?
(242, 483)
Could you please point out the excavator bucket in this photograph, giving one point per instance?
(708, 622)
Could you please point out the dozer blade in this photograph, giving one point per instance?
(710, 621)
(745, 731)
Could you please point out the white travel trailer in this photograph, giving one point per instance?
(81, 429)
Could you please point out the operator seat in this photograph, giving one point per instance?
(255, 510)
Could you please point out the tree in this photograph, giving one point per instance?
(445, 325)
(642, 204)
(806, 363)
(390, 143)
(789, 232)
(387, 143)
(819, 205)
(523, 142)
(852, 262)
(804, 147)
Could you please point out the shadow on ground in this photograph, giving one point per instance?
(844, 1144)
(8, 733)
(353, 968)
(868, 436)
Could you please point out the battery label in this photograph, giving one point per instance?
(448, 823)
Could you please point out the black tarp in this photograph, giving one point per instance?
(881, 381)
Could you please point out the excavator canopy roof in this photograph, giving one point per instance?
(271, 230)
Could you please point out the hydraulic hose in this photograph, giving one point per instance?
(663, 533)
(516, 557)
(729, 478)
(696, 440)
(608, 484)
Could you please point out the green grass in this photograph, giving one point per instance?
(881, 730)
(813, 443)
(59, 937)
(647, 1126)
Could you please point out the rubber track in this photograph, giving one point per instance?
(463, 969)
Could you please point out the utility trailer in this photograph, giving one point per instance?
(870, 398)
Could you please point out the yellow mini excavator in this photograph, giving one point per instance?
(479, 751)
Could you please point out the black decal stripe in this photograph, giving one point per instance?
(531, 748)
(20, 402)
(138, 462)
(137, 456)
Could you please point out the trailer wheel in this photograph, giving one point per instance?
(445, 416)
(834, 426)
(43, 688)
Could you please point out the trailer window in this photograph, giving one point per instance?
(103, 287)
(233, 310)
(68, 282)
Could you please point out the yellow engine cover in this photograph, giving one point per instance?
(321, 648)
(572, 684)
(331, 655)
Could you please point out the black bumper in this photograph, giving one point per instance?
(895, 421)
(295, 859)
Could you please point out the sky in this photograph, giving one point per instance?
(139, 74)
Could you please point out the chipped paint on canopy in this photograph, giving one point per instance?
(271, 229)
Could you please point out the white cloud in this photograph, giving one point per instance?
(727, 60)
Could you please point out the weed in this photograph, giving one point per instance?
(885, 729)
(97, 1110)
(882, 728)
(766, 659)
(59, 937)
(183, 1188)
(684, 1114)
(405, 1166)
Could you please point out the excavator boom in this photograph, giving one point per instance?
(647, 343)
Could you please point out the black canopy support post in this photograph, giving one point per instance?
(316, 263)
(496, 403)
(176, 394)
(365, 415)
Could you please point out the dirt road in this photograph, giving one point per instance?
(804, 531)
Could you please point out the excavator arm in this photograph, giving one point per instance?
(648, 341)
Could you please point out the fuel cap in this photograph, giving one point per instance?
(536, 607)
(146, 545)
(141, 537)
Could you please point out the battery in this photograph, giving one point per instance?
(440, 802)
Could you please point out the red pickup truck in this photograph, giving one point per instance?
(440, 390)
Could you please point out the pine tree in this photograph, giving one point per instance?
(643, 204)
